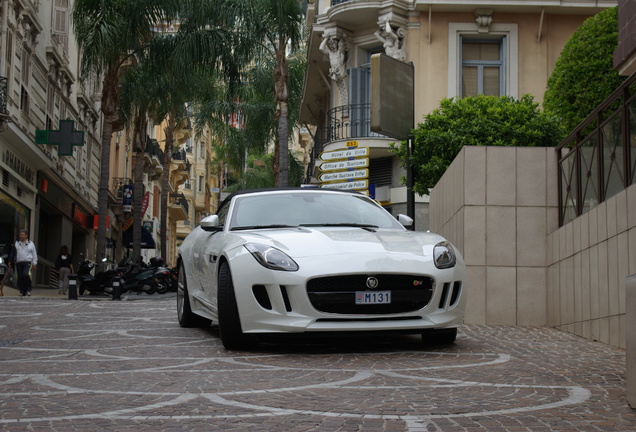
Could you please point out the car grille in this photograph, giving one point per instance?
(336, 294)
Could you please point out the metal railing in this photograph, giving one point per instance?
(154, 149)
(117, 185)
(180, 199)
(598, 159)
(349, 121)
(337, 2)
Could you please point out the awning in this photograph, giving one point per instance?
(147, 242)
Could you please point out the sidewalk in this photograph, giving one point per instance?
(48, 293)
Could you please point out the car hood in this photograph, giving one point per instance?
(318, 241)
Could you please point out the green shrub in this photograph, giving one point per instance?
(478, 120)
(584, 75)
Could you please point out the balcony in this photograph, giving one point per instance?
(116, 192)
(350, 122)
(179, 168)
(178, 207)
(4, 115)
(153, 160)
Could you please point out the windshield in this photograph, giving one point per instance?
(309, 209)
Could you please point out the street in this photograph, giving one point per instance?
(107, 365)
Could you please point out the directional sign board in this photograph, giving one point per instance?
(344, 164)
(357, 184)
(344, 154)
(344, 175)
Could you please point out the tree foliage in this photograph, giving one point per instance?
(478, 120)
(584, 75)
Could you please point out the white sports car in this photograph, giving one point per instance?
(316, 260)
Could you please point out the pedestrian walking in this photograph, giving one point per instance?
(64, 267)
(8, 256)
(26, 260)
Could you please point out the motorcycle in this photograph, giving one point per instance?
(162, 274)
(94, 284)
(137, 277)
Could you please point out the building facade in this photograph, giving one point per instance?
(46, 189)
(457, 48)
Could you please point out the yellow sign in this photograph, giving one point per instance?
(344, 164)
(352, 144)
(345, 154)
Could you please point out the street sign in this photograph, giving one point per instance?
(358, 184)
(345, 175)
(344, 154)
(344, 164)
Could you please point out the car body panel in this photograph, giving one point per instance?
(319, 252)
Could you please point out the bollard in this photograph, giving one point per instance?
(117, 288)
(72, 287)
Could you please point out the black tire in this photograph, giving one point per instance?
(162, 286)
(232, 335)
(186, 317)
(82, 290)
(440, 337)
(148, 286)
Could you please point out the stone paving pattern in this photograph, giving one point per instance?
(128, 366)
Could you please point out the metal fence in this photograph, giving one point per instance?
(598, 159)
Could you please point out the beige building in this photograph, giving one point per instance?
(49, 190)
(456, 47)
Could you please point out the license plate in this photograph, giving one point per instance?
(373, 297)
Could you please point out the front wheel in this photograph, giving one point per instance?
(186, 317)
(232, 335)
(162, 286)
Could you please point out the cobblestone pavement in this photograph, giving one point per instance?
(128, 366)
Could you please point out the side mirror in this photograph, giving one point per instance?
(405, 220)
(210, 223)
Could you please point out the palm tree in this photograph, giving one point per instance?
(269, 96)
(212, 35)
(107, 33)
(281, 29)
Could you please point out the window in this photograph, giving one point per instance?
(483, 62)
(201, 150)
(186, 185)
(200, 183)
(482, 65)
(26, 74)
(60, 23)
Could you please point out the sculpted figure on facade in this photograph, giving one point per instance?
(393, 41)
(337, 50)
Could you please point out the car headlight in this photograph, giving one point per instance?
(444, 255)
(271, 258)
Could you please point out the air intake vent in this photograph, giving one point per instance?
(5, 178)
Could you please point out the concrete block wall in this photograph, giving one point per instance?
(497, 205)
(588, 262)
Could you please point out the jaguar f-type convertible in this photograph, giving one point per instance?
(316, 261)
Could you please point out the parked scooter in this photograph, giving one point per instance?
(94, 284)
(162, 274)
(139, 278)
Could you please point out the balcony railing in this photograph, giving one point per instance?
(180, 199)
(117, 185)
(153, 149)
(337, 2)
(349, 121)
(598, 159)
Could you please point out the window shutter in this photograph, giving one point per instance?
(358, 100)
